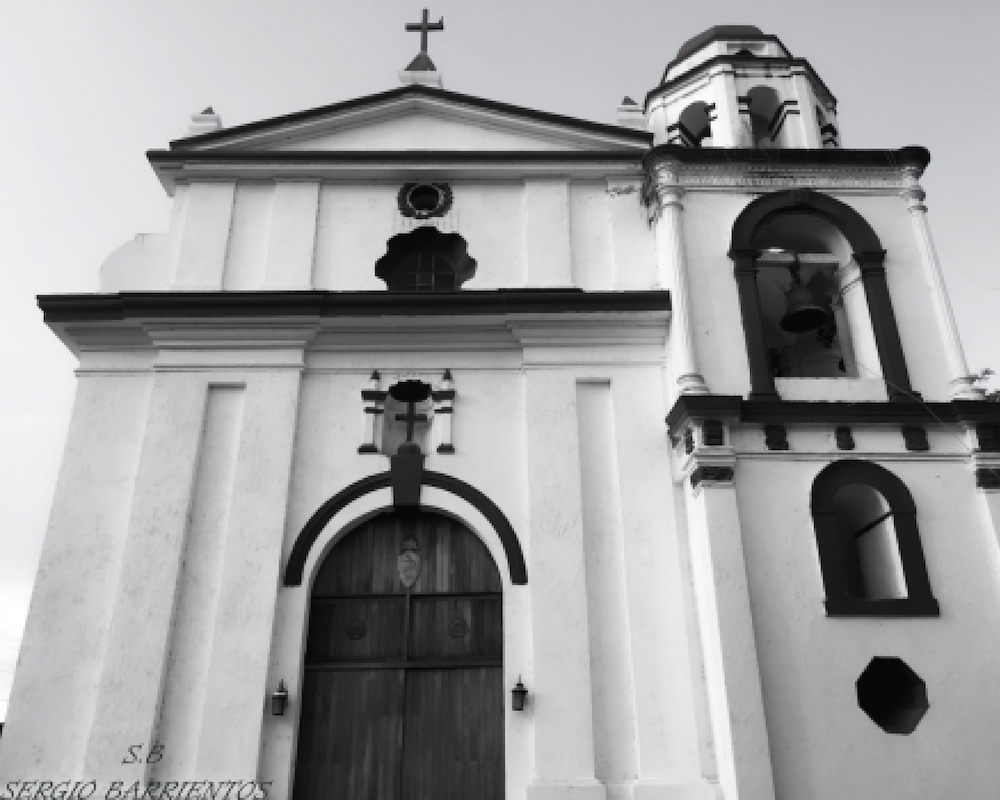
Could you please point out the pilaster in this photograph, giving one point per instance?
(808, 133)
(291, 236)
(961, 382)
(732, 672)
(204, 237)
(727, 131)
(236, 691)
(136, 645)
(562, 703)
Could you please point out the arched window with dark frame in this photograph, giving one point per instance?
(869, 545)
(425, 260)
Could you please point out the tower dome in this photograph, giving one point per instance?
(736, 86)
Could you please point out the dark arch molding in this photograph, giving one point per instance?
(848, 221)
(839, 474)
(312, 529)
(834, 555)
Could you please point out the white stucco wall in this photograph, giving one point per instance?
(822, 744)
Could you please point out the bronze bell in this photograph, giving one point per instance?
(803, 313)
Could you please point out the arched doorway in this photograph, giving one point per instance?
(402, 695)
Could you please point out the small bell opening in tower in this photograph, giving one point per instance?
(803, 313)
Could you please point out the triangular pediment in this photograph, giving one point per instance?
(418, 118)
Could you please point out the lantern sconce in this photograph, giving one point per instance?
(517, 695)
(279, 700)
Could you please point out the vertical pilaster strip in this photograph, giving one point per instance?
(546, 232)
(563, 706)
(612, 689)
(736, 702)
(761, 379)
(673, 262)
(890, 349)
(201, 256)
(229, 742)
(961, 382)
(728, 128)
(661, 648)
(808, 134)
(291, 237)
(134, 659)
(197, 595)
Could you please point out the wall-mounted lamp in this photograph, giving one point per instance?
(517, 695)
(279, 700)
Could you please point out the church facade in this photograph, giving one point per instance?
(447, 448)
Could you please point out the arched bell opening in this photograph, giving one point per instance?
(694, 127)
(402, 692)
(800, 282)
(764, 107)
(800, 218)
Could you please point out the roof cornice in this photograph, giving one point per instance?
(174, 167)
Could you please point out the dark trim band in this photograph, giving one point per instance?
(913, 156)
(312, 529)
(693, 407)
(130, 305)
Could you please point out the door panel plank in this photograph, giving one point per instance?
(453, 735)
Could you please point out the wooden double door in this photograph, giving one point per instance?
(403, 691)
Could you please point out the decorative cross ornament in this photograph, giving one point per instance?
(424, 26)
(410, 392)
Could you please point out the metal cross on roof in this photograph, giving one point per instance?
(424, 26)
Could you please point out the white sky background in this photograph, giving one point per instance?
(87, 86)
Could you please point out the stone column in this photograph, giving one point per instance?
(673, 271)
(761, 379)
(890, 349)
(732, 672)
(961, 382)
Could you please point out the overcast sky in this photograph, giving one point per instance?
(89, 85)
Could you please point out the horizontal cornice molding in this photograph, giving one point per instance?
(729, 167)
(178, 305)
(749, 62)
(179, 167)
(781, 412)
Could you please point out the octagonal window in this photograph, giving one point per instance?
(892, 694)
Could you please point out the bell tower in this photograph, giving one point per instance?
(735, 86)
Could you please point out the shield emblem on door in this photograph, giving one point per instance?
(408, 562)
